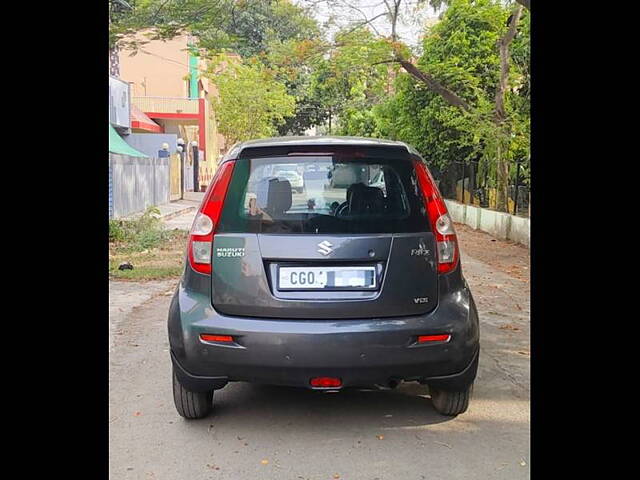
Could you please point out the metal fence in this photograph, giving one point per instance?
(137, 183)
(110, 190)
(462, 182)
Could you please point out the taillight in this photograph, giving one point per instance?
(441, 223)
(205, 223)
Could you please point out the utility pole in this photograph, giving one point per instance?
(196, 162)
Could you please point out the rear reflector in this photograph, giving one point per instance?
(325, 382)
(433, 338)
(216, 338)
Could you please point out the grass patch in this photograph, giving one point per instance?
(154, 252)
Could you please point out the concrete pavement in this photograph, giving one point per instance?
(183, 221)
(179, 213)
(185, 211)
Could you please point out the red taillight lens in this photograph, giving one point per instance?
(204, 225)
(441, 223)
(325, 382)
(434, 338)
(216, 338)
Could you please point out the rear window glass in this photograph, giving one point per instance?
(323, 194)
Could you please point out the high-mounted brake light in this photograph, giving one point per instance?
(441, 224)
(204, 225)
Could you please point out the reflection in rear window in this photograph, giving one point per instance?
(323, 194)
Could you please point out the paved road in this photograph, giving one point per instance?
(261, 432)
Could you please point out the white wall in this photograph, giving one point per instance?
(498, 224)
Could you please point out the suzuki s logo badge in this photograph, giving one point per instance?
(325, 248)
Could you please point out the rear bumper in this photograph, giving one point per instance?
(300, 377)
(362, 352)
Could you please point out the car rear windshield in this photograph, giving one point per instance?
(323, 194)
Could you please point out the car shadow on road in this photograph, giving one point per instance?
(406, 406)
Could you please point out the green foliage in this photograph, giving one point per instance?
(461, 52)
(253, 25)
(139, 234)
(251, 103)
(117, 231)
(146, 273)
(150, 260)
(292, 62)
(276, 32)
(352, 79)
(243, 26)
(290, 78)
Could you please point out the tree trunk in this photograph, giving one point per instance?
(502, 181)
(500, 114)
(503, 45)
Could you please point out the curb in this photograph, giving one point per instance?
(177, 213)
(166, 216)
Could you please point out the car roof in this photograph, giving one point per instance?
(235, 150)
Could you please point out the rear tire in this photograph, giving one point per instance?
(191, 404)
(451, 403)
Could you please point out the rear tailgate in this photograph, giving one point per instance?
(246, 273)
(350, 240)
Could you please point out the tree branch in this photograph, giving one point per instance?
(363, 15)
(367, 22)
(503, 44)
(157, 13)
(525, 3)
(450, 97)
(427, 79)
(394, 20)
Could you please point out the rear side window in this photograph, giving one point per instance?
(323, 194)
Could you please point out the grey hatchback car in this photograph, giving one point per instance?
(352, 278)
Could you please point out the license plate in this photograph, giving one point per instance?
(319, 278)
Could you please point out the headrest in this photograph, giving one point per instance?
(363, 199)
(279, 197)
